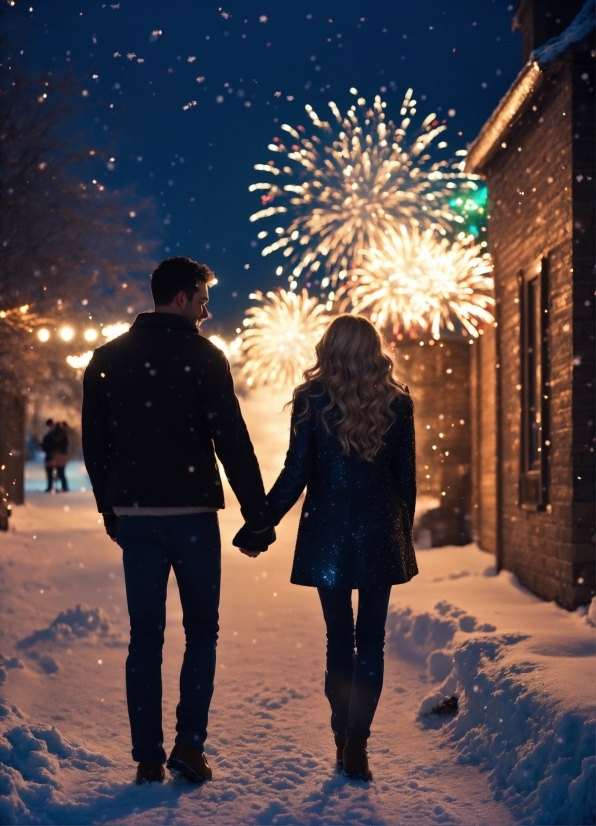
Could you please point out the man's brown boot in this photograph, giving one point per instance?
(189, 763)
(149, 773)
(356, 759)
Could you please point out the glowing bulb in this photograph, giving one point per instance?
(43, 334)
(90, 335)
(66, 333)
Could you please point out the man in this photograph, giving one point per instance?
(158, 405)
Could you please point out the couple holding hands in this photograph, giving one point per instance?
(158, 407)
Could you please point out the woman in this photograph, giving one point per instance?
(60, 453)
(352, 447)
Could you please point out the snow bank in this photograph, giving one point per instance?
(80, 622)
(33, 759)
(506, 656)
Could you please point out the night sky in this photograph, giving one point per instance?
(251, 66)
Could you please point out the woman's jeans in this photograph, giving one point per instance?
(152, 545)
(354, 678)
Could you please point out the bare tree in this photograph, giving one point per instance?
(68, 246)
(64, 239)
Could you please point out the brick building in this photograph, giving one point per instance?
(533, 416)
(438, 375)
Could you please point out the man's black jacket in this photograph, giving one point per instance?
(157, 401)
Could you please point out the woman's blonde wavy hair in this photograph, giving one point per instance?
(354, 370)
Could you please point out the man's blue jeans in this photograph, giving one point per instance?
(152, 545)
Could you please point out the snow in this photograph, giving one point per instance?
(573, 36)
(520, 749)
(507, 656)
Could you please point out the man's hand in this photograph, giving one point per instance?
(252, 554)
(254, 542)
(109, 521)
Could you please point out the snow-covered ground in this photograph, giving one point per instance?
(521, 748)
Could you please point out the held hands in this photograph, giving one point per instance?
(252, 543)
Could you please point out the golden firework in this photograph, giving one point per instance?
(341, 190)
(420, 281)
(279, 337)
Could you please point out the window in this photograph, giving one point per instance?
(535, 387)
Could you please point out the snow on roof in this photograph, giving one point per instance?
(573, 36)
(527, 82)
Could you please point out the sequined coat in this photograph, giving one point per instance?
(356, 524)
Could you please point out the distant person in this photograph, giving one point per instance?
(352, 447)
(47, 445)
(60, 453)
(158, 406)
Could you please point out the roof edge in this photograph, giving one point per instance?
(485, 145)
(573, 37)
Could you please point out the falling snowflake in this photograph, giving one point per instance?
(117, 54)
(191, 59)
(200, 79)
(263, 18)
(131, 55)
(226, 15)
(115, 6)
(189, 104)
(277, 94)
(247, 266)
(140, 59)
(290, 97)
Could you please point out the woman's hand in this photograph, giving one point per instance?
(252, 554)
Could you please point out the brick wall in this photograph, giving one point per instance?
(483, 380)
(438, 375)
(584, 402)
(531, 185)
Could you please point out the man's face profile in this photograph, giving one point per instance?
(195, 309)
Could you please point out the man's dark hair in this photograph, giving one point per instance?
(49, 422)
(176, 274)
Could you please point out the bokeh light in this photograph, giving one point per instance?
(112, 331)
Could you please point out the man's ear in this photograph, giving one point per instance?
(181, 299)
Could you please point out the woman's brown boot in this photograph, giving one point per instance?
(355, 759)
(340, 743)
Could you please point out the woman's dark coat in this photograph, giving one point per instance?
(356, 525)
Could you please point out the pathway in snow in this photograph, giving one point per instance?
(270, 745)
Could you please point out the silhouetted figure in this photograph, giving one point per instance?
(60, 453)
(47, 445)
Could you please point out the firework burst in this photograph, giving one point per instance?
(357, 178)
(279, 337)
(420, 281)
